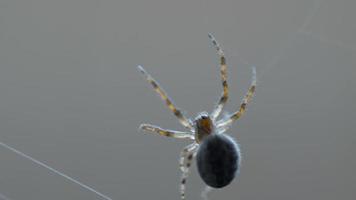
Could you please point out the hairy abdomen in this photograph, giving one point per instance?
(218, 160)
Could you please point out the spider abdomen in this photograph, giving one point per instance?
(218, 160)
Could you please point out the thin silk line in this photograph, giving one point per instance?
(54, 171)
(290, 41)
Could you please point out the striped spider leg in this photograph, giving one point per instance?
(188, 153)
(165, 132)
(223, 71)
(186, 158)
(223, 124)
(182, 119)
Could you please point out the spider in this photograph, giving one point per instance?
(217, 154)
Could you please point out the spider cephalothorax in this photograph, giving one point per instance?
(204, 126)
(217, 154)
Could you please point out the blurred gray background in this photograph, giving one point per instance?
(71, 96)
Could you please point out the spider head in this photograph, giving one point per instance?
(203, 126)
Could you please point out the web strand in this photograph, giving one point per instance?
(52, 170)
(315, 8)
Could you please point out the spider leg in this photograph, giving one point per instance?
(223, 70)
(182, 119)
(224, 124)
(166, 132)
(187, 155)
(184, 155)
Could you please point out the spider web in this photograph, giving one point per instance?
(292, 39)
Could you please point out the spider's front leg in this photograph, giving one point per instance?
(166, 132)
(224, 124)
(182, 119)
(223, 71)
(186, 158)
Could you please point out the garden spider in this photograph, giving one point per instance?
(217, 155)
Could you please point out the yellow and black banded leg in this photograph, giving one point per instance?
(183, 120)
(184, 155)
(223, 71)
(187, 156)
(165, 132)
(223, 124)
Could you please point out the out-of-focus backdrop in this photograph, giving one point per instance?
(71, 96)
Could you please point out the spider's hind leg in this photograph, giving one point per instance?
(186, 158)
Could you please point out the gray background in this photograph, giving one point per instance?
(71, 96)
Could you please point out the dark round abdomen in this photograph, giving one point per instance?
(218, 160)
